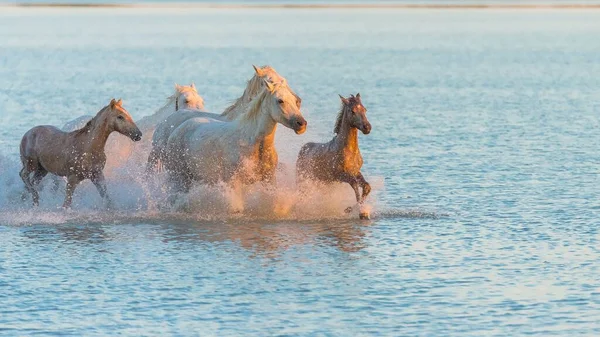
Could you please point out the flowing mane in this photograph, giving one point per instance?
(253, 86)
(254, 109)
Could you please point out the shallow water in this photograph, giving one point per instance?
(483, 157)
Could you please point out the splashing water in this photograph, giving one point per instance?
(135, 195)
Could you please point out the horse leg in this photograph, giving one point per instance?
(366, 187)
(353, 181)
(39, 174)
(25, 172)
(100, 183)
(354, 184)
(72, 182)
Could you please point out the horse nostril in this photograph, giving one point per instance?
(301, 122)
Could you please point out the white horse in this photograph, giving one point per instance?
(253, 88)
(240, 152)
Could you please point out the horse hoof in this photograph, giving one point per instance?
(364, 216)
(348, 210)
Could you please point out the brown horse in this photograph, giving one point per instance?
(77, 155)
(339, 160)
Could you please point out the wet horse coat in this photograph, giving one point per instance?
(339, 160)
(77, 155)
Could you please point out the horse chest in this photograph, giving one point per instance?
(351, 162)
(256, 167)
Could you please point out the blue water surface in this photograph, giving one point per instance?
(483, 154)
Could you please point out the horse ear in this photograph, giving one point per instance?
(177, 86)
(112, 102)
(270, 86)
(259, 71)
(344, 100)
(193, 86)
(358, 95)
(120, 102)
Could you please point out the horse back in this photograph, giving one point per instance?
(43, 144)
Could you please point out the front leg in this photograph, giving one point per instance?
(354, 184)
(366, 187)
(72, 182)
(100, 183)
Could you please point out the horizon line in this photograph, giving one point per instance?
(306, 6)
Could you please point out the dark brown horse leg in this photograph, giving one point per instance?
(354, 184)
(38, 176)
(72, 182)
(366, 187)
(100, 183)
(25, 172)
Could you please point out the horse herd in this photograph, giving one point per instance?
(236, 147)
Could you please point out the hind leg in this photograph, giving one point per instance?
(39, 174)
(24, 174)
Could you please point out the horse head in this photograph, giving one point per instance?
(283, 107)
(356, 113)
(187, 97)
(120, 120)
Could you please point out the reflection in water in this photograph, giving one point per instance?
(271, 239)
(260, 238)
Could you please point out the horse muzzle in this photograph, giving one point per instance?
(366, 129)
(299, 126)
(136, 137)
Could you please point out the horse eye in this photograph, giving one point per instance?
(187, 101)
(280, 101)
(121, 117)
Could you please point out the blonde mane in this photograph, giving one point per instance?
(253, 110)
(253, 86)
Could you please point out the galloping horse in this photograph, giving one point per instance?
(339, 160)
(253, 88)
(78, 155)
(239, 152)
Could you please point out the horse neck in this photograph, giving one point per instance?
(96, 137)
(347, 136)
(258, 127)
